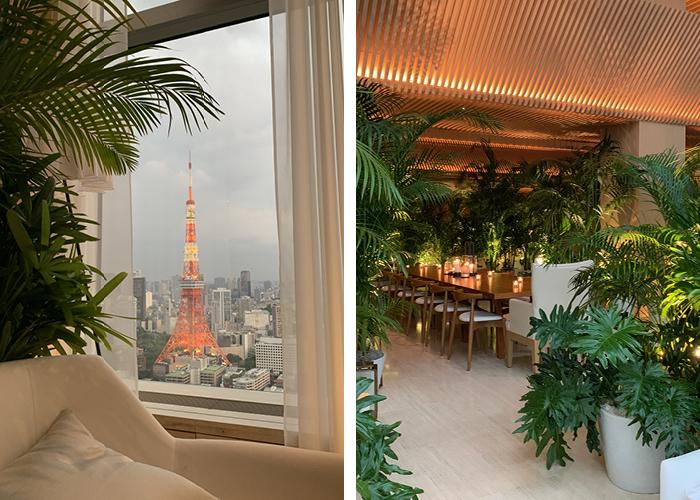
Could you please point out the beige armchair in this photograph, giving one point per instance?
(35, 391)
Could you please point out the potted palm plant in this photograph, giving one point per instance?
(628, 365)
(64, 96)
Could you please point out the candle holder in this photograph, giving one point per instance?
(456, 267)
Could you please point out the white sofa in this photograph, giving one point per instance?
(680, 477)
(35, 391)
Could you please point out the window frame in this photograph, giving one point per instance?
(171, 21)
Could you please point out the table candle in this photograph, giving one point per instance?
(490, 273)
(478, 277)
(520, 279)
(539, 260)
(456, 266)
(515, 283)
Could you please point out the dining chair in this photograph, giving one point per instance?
(444, 308)
(475, 318)
(551, 286)
(436, 295)
(413, 289)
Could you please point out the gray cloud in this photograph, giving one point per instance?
(232, 164)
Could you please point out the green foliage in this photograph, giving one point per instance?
(390, 186)
(665, 408)
(561, 399)
(391, 183)
(608, 337)
(152, 344)
(598, 356)
(45, 298)
(67, 96)
(373, 449)
(65, 85)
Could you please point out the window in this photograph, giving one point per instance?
(205, 239)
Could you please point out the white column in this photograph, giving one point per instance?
(641, 139)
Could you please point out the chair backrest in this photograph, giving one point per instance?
(35, 391)
(551, 285)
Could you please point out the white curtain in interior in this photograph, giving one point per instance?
(107, 200)
(308, 133)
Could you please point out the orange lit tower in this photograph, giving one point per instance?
(192, 334)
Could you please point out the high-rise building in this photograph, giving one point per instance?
(140, 294)
(276, 320)
(257, 318)
(267, 285)
(191, 335)
(268, 353)
(221, 308)
(219, 282)
(246, 287)
(244, 304)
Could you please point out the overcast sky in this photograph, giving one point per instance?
(232, 164)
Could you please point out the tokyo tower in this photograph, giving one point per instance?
(192, 334)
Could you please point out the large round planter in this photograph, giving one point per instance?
(630, 465)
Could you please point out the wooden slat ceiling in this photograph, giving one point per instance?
(554, 72)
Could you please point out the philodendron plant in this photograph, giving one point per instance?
(600, 356)
(374, 440)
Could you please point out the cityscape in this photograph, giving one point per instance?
(220, 333)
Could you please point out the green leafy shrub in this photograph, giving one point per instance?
(373, 448)
(602, 356)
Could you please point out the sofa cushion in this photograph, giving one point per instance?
(68, 463)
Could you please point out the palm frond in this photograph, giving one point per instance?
(67, 90)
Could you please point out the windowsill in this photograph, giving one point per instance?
(254, 410)
(266, 397)
(184, 423)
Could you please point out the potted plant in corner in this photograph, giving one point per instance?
(629, 364)
(601, 369)
(67, 94)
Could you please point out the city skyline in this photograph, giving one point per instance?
(232, 163)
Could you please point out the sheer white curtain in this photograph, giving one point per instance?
(308, 131)
(107, 200)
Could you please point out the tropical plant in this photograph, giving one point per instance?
(392, 184)
(575, 195)
(602, 356)
(67, 89)
(68, 96)
(643, 354)
(373, 448)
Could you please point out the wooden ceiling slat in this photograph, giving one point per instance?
(629, 59)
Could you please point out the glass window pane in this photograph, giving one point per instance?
(207, 266)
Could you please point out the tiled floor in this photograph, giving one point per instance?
(457, 430)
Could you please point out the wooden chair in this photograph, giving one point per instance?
(440, 304)
(436, 294)
(447, 309)
(475, 318)
(413, 289)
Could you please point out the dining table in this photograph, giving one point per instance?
(497, 287)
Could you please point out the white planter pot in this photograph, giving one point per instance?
(630, 465)
(380, 367)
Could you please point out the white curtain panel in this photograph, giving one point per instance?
(107, 200)
(308, 133)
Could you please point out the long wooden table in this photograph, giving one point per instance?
(497, 288)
